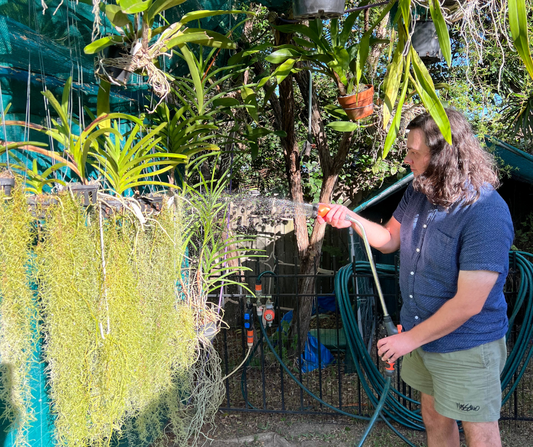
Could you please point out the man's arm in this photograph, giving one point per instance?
(385, 238)
(473, 288)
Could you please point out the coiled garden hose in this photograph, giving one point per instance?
(374, 383)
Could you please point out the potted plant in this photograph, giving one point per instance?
(124, 162)
(75, 145)
(139, 44)
(336, 56)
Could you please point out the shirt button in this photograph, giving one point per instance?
(412, 273)
(418, 250)
(410, 296)
(425, 226)
(416, 317)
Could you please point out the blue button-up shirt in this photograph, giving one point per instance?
(435, 244)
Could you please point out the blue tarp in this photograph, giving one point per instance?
(310, 357)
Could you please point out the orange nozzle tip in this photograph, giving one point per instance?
(323, 209)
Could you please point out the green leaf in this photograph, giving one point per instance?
(250, 98)
(284, 70)
(279, 56)
(258, 132)
(405, 8)
(134, 6)
(395, 126)
(159, 6)
(104, 42)
(302, 29)
(425, 88)
(65, 97)
(198, 15)
(393, 79)
(201, 37)
(362, 56)
(226, 102)
(116, 16)
(442, 30)
(519, 32)
(268, 93)
(303, 42)
(255, 49)
(343, 126)
(347, 26)
(342, 58)
(254, 150)
(334, 31)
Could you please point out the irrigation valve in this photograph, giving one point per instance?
(249, 324)
(268, 313)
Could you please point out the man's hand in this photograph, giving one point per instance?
(336, 217)
(392, 348)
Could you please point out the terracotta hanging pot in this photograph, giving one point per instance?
(359, 105)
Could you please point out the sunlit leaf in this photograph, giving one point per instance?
(442, 30)
(343, 126)
(134, 6)
(519, 32)
(426, 90)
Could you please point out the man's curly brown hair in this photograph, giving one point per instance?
(458, 171)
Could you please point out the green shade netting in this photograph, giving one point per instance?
(41, 46)
(42, 41)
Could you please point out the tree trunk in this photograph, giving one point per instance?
(309, 247)
(310, 256)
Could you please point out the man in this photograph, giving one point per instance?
(454, 232)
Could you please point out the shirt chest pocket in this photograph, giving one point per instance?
(439, 255)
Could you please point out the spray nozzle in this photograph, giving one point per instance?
(320, 209)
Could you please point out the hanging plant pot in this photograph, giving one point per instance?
(359, 105)
(87, 193)
(112, 206)
(426, 42)
(39, 203)
(6, 185)
(151, 203)
(310, 9)
(116, 74)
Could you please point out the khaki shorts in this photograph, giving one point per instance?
(465, 384)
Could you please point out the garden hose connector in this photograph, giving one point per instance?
(249, 324)
(268, 313)
(258, 288)
(390, 327)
